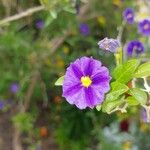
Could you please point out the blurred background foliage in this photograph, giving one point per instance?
(33, 56)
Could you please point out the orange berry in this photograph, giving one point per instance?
(130, 84)
(57, 100)
(43, 131)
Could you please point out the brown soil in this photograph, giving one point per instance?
(6, 134)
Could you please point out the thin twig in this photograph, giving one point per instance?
(147, 87)
(120, 31)
(29, 93)
(55, 43)
(21, 15)
(16, 141)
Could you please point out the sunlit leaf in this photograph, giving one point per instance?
(139, 95)
(132, 101)
(98, 107)
(60, 81)
(117, 90)
(143, 70)
(124, 73)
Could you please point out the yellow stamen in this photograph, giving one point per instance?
(86, 81)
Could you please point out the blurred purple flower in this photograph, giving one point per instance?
(86, 82)
(135, 47)
(38, 148)
(128, 15)
(109, 44)
(144, 115)
(39, 24)
(84, 29)
(2, 104)
(144, 27)
(14, 87)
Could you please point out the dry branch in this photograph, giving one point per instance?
(21, 15)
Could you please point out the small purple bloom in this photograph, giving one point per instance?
(144, 115)
(38, 148)
(144, 27)
(2, 104)
(135, 47)
(128, 15)
(109, 44)
(14, 87)
(39, 24)
(84, 29)
(86, 82)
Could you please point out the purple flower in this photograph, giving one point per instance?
(14, 87)
(135, 47)
(144, 27)
(109, 44)
(2, 104)
(39, 24)
(84, 29)
(38, 148)
(86, 82)
(128, 15)
(144, 115)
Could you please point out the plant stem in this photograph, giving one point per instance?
(147, 87)
(21, 15)
(119, 54)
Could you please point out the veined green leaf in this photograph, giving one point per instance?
(143, 70)
(98, 107)
(60, 81)
(117, 90)
(132, 101)
(124, 73)
(139, 95)
(108, 106)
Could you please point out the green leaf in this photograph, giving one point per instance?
(132, 101)
(60, 81)
(24, 121)
(53, 14)
(110, 105)
(117, 90)
(98, 107)
(143, 70)
(139, 95)
(124, 73)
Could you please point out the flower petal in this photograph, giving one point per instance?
(93, 96)
(72, 90)
(89, 96)
(77, 71)
(99, 78)
(88, 67)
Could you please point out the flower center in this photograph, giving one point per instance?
(135, 47)
(146, 26)
(86, 81)
(129, 16)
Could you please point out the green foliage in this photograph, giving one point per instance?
(125, 72)
(25, 49)
(109, 106)
(24, 121)
(60, 81)
(98, 107)
(114, 97)
(143, 70)
(132, 101)
(139, 95)
(117, 89)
